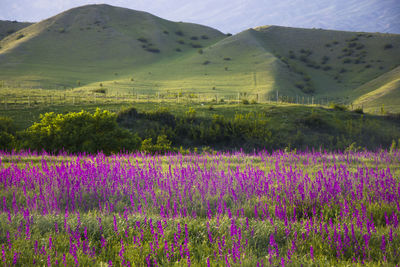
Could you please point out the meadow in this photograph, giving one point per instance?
(313, 208)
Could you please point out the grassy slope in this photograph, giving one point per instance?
(260, 62)
(386, 91)
(91, 43)
(365, 52)
(9, 27)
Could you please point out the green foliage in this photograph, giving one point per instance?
(359, 110)
(388, 46)
(100, 90)
(142, 40)
(7, 134)
(245, 102)
(337, 106)
(79, 132)
(20, 36)
(163, 145)
(196, 45)
(153, 50)
(179, 33)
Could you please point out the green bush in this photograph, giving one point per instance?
(153, 50)
(388, 46)
(79, 132)
(7, 134)
(179, 33)
(337, 106)
(100, 90)
(163, 145)
(196, 45)
(142, 40)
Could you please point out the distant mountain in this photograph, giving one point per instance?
(347, 15)
(126, 50)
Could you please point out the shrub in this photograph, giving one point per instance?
(181, 42)
(229, 34)
(227, 58)
(162, 145)
(100, 91)
(359, 110)
(142, 40)
(153, 50)
(79, 132)
(245, 102)
(194, 38)
(179, 33)
(7, 133)
(10, 31)
(204, 37)
(61, 30)
(196, 45)
(327, 68)
(206, 62)
(200, 51)
(324, 59)
(388, 46)
(337, 106)
(165, 32)
(178, 50)
(20, 36)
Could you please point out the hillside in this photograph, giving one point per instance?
(124, 51)
(382, 92)
(93, 43)
(9, 27)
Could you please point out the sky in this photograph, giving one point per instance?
(234, 16)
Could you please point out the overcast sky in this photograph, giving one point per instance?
(236, 15)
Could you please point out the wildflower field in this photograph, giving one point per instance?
(219, 209)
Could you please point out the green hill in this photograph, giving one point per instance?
(94, 43)
(382, 92)
(127, 51)
(9, 27)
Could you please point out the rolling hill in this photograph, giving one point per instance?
(9, 27)
(124, 50)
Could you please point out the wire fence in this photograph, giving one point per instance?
(8, 102)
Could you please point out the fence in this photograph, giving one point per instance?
(62, 99)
